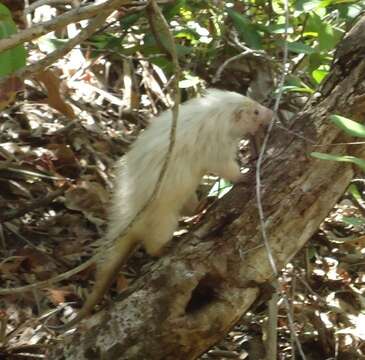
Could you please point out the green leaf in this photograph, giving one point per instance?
(220, 188)
(12, 59)
(127, 21)
(354, 221)
(351, 127)
(306, 5)
(314, 24)
(5, 13)
(316, 60)
(355, 193)
(106, 41)
(298, 47)
(150, 46)
(336, 2)
(325, 3)
(295, 84)
(170, 10)
(328, 36)
(319, 75)
(351, 11)
(163, 63)
(187, 34)
(246, 29)
(341, 158)
(306, 89)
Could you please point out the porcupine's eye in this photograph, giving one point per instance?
(256, 112)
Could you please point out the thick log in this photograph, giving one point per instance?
(191, 297)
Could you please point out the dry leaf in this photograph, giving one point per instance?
(52, 83)
(8, 91)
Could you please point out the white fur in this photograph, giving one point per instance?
(208, 131)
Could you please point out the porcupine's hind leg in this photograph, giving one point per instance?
(159, 232)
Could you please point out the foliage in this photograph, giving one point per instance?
(12, 59)
(352, 128)
(202, 28)
(341, 158)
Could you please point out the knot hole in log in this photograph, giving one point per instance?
(205, 293)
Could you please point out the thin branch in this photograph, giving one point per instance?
(84, 34)
(258, 182)
(294, 133)
(43, 201)
(49, 282)
(60, 21)
(218, 74)
(13, 229)
(245, 51)
(236, 43)
(40, 3)
(343, 143)
(312, 142)
(261, 157)
(271, 343)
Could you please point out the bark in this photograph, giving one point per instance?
(191, 297)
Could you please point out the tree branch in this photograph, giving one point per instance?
(60, 21)
(84, 34)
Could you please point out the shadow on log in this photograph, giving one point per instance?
(191, 297)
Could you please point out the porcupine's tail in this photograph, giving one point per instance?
(112, 262)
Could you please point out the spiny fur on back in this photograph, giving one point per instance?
(202, 143)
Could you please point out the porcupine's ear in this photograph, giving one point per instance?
(238, 114)
(249, 117)
(242, 121)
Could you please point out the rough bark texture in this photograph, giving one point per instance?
(196, 293)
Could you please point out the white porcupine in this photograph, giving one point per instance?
(208, 132)
(207, 135)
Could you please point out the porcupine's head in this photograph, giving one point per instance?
(248, 117)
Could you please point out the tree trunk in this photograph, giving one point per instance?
(191, 297)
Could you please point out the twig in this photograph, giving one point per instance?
(294, 133)
(40, 3)
(218, 74)
(84, 34)
(10, 258)
(12, 228)
(60, 21)
(258, 182)
(290, 309)
(3, 322)
(49, 282)
(245, 51)
(271, 343)
(259, 53)
(344, 143)
(2, 238)
(226, 354)
(41, 202)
